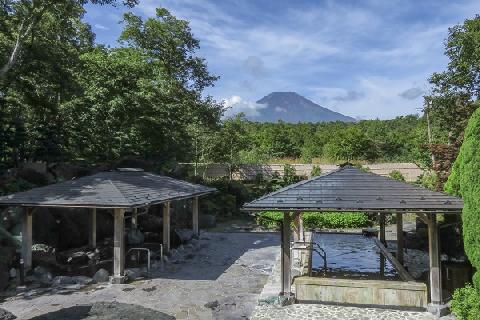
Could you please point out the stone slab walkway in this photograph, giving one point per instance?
(328, 312)
(216, 277)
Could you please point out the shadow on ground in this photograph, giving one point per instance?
(217, 252)
(106, 311)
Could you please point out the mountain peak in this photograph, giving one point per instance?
(292, 107)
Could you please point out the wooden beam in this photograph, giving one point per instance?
(398, 266)
(423, 217)
(400, 241)
(92, 228)
(118, 245)
(27, 224)
(195, 228)
(434, 255)
(286, 259)
(381, 234)
(166, 227)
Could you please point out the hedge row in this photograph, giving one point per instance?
(318, 220)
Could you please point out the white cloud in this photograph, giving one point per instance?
(101, 27)
(381, 98)
(236, 104)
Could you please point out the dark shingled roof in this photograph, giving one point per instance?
(113, 189)
(350, 189)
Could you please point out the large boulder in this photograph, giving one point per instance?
(4, 276)
(6, 315)
(73, 257)
(185, 235)
(150, 222)
(101, 275)
(43, 254)
(207, 221)
(135, 237)
(43, 275)
(65, 280)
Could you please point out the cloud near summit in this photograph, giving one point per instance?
(236, 104)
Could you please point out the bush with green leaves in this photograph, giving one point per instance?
(397, 175)
(316, 171)
(318, 220)
(464, 181)
(466, 303)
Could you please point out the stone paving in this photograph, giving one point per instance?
(216, 277)
(329, 312)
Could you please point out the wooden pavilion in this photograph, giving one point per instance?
(350, 189)
(122, 190)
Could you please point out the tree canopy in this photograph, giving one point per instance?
(464, 181)
(66, 98)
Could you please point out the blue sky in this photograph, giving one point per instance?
(367, 59)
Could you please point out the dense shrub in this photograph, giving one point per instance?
(319, 220)
(316, 171)
(270, 219)
(336, 220)
(229, 199)
(12, 185)
(465, 181)
(466, 303)
(397, 175)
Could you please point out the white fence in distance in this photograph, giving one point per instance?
(249, 171)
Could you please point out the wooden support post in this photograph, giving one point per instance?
(195, 229)
(286, 260)
(435, 269)
(400, 242)
(166, 227)
(382, 228)
(92, 230)
(382, 265)
(298, 234)
(27, 238)
(118, 246)
(134, 224)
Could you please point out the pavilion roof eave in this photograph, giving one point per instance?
(103, 206)
(370, 210)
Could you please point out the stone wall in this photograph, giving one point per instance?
(361, 292)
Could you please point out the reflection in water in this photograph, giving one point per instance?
(352, 256)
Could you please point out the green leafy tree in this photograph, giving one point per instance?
(453, 96)
(144, 98)
(289, 174)
(465, 182)
(21, 18)
(350, 144)
(230, 141)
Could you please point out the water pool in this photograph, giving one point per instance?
(351, 256)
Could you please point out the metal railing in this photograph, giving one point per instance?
(138, 255)
(319, 250)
